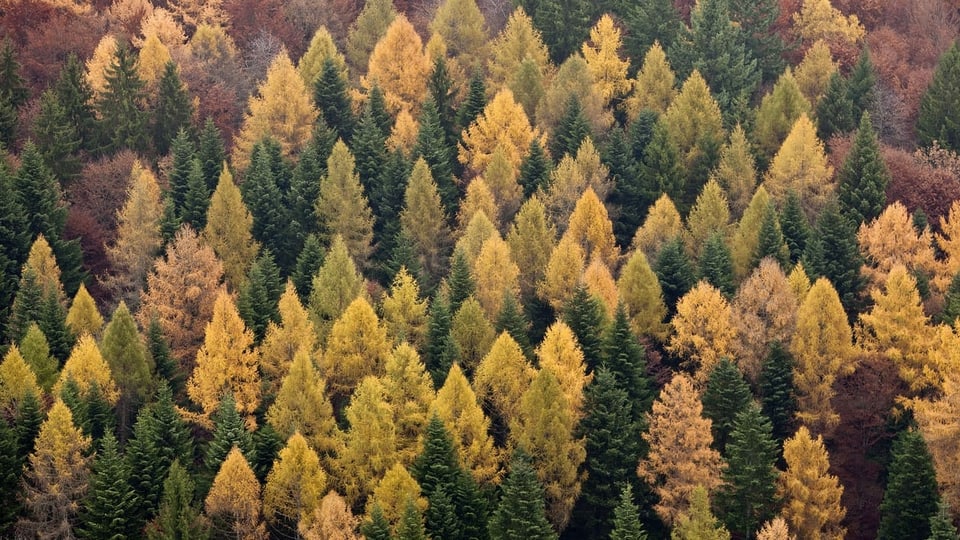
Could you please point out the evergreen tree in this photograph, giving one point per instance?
(460, 281)
(725, 396)
(675, 273)
(941, 527)
(584, 314)
(178, 519)
(11, 465)
(211, 153)
(434, 147)
(625, 357)
(440, 349)
(832, 252)
(75, 96)
(268, 180)
(122, 108)
(951, 308)
(770, 241)
(513, 321)
(108, 509)
(174, 109)
(716, 265)
(534, 170)
(182, 151)
(14, 246)
(563, 25)
(626, 518)
(27, 424)
(304, 187)
(308, 263)
(762, 41)
(369, 149)
(911, 498)
(748, 498)
(260, 295)
(377, 528)
(228, 431)
(267, 444)
(776, 391)
(410, 526)
(571, 130)
(938, 119)
(794, 227)
(165, 365)
(27, 306)
(835, 109)
(660, 169)
(647, 23)
(57, 138)
(196, 198)
(861, 86)
(474, 103)
(862, 181)
(330, 95)
(53, 322)
(521, 512)
(13, 92)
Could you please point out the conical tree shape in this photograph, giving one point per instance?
(127, 358)
(831, 252)
(335, 285)
(295, 484)
(654, 85)
(626, 518)
(698, 523)
(399, 66)
(938, 120)
(641, 295)
(675, 273)
(357, 347)
(503, 377)
(342, 207)
(941, 528)
(392, 493)
(409, 392)
(517, 42)
(177, 518)
(863, 178)
(36, 353)
(303, 407)
(228, 230)
(370, 446)
(693, 117)
(910, 500)
(503, 124)
(800, 165)
(495, 274)
(122, 103)
(234, 500)
(811, 496)
(704, 330)
(777, 113)
(87, 367)
(521, 512)
(84, 317)
(457, 406)
(17, 380)
(109, 503)
(366, 30)
(609, 71)
(560, 353)
(726, 395)
(260, 295)
(424, 220)
(716, 266)
(764, 312)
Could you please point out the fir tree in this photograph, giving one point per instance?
(725, 396)
(211, 153)
(941, 527)
(196, 198)
(757, 19)
(939, 119)
(661, 170)
(182, 151)
(748, 498)
(563, 25)
(951, 308)
(776, 391)
(377, 527)
(534, 170)
(832, 252)
(911, 498)
(159, 350)
(13, 92)
(794, 227)
(75, 96)
(264, 192)
(626, 518)
(410, 526)
(122, 107)
(304, 187)
(228, 431)
(522, 510)
(513, 321)
(267, 444)
(584, 314)
(108, 509)
(369, 149)
(260, 294)
(443, 93)
(57, 138)
(308, 263)
(27, 424)
(53, 322)
(862, 181)
(675, 272)
(439, 349)
(27, 306)
(330, 95)
(98, 416)
(474, 103)
(178, 519)
(174, 109)
(624, 356)
(647, 23)
(433, 146)
(835, 109)
(571, 131)
(770, 242)
(861, 86)
(460, 281)
(14, 246)
(716, 265)
(11, 465)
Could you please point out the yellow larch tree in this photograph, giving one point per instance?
(777, 113)
(197, 13)
(357, 347)
(937, 417)
(233, 503)
(562, 274)
(599, 283)
(399, 66)
(641, 295)
(331, 520)
(295, 484)
(516, 43)
(98, 63)
(403, 135)
(818, 19)
(609, 71)
(573, 81)
(662, 224)
(698, 522)
(891, 240)
(303, 407)
(746, 236)
(764, 312)
(84, 317)
(284, 339)
(710, 214)
(811, 495)
(799, 282)
(472, 333)
(404, 312)
(590, 226)
(457, 406)
(322, 46)
(16, 381)
(503, 376)
(463, 29)
(823, 351)
(495, 275)
(736, 172)
(138, 236)
(282, 108)
(229, 230)
(897, 328)
(477, 232)
(371, 24)
(161, 23)
(704, 331)
(568, 182)
(692, 117)
(424, 220)
(408, 390)
(342, 206)
(335, 286)
(212, 43)
(86, 367)
(680, 456)
(152, 61)
(370, 448)
(948, 241)
(501, 177)
(545, 428)
(775, 529)
(503, 124)
(655, 85)
(801, 166)
(478, 199)
(227, 362)
(43, 264)
(392, 493)
(814, 72)
(531, 238)
(560, 353)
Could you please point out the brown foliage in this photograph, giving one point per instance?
(101, 190)
(920, 186)
(249, 18)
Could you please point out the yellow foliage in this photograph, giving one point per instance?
(680, 457)
(604, 64)
(331, 520)
(403, 136)
(654, 86)
(404, 313)
(573, 80)
(295, 484)
(302, 407)
(152, 61)
(335, 286)
(811, 495)
(563, 273)
(409, 392)
(321, 47)
(590, 226)
(599, 282)
(710, 214)
(504, 124)
(424, 220)
(571, 178)
(342, 207)
(399, 67)
(86, 367)
(283, 341)
(503, 376)
(764, 312)
(84, 317)
(736, 172)
(371, 442)
(775, 529)
(198, 13)
(229, 230)
(642, 297)
(282, 108)
(478, 199)
(16, 381)
(560, 353)
(161, 23)
(703, 330)
(227, 362)
(42, 262)
(234, 499)
(472, 333)
(814, 72)
(818, 19)
(949, 244)
(891, 240)
(477, 232)
(517, 42)
(495, 275)
(799, 282)
(801, 166)
(531, 239)
(501, 177)
(98, 63)
(661, 225)
(462, 27)
(939, 421)
(392, 493)
(356, 348)
(747, 234)
(693, 116)
(462, 416)
(777, 113)
(211, 43)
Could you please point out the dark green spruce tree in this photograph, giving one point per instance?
(626, 518)
(474, 103)
(330, 95)
(535, 170)
(794, 226)
(377, 527)
(771, 242)
(951, 307)
(725, 396)
(863, 179)
(584, 314)
(108, 511)
(832, 252)
(74, 94)
(57, 138)
(410, 526)
(433, 146)
(716, 264)
(835, 109)
(173, 111)
(260, 295)
(564, 25)
(660, 169)
(911, 498)
(570, 131)
(196, 198)
(228, 431)
(14, 246)
(440, 349)
(762, 40)
(939, 118)
(513, 321)
(460, 282)
(211, 153)
(522, 509)
(647, 22)
(776, 391)
(861, 86)
(124, 118)
(443, 93)
(13, 92)
(11, 466)
(178, 518)
(308, 263)
(675, 273)
(264, 192)
(625, 358)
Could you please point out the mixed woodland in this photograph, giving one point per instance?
(480, 269)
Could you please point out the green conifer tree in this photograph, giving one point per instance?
(182, 151)
(439, 350)
(862, 181)
(646, 23)
(522, 509)
(835, 109)
(716, 264)
(178, 518)
(660, 169)
(776, 391)
(675, 273)
(265, 195)
(377, 527)
(832, 252)
(763, 42)
(911, 498)
(563, 25)
(122, 105)
(196, 198)
(941, 527)
(861, 86)
(211, 153)
(770, 241)
(434, 147)
(794, 226)
(534, 170)
(11, 465)
(725, 396)
(228, 431)
(74, 94)
(108, 508)
(939, 119)
(626, 518)
(57, 138)
(571, 131)
(584, 314)
(513, 321)
(174, 109)
(308, 263)
(625, 357)
(260, 295)
(331, 98)
(474, 103)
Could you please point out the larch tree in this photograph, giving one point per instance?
(342, 207)
(560, 353)
(331, 520)
(132, 368)
(404, 312)
(704, 330)
(83, 316)
(227, 362)
(746, 235)
(501, 177)
(335, 285)
(778, 111)
(370, 445)
(891, 240)
(36, 353)
(392, 493)
(571, 107)
(662, 224)
(801, 165)
(590, 226)
(321, 47)
(531, 238)
(356, 348)
(502, 124)
(562, 274)
(462, 26)
(87, 369)
(56, 477)
(472, 334)
(281, 109)
(233, 503)
(503, 377)
(495, 274)
(180, 294)
(599, 282)
(654, 87)
(42, 264)
(138, 236)
(478, 199)
(819, 19)
(457, 406)
(811, 495)
(642, 297)
(602, 55)
(229, 230)
(764, 312)
(736, 171)
(399, 67)
(693, 117)
(16, 381)
(680, 457)
(698, 522)
(814, 71)
(295, 485)
(371, 24)
(710, 214)
(937, 420)
(152, 61)
(517, 43)
(284, 339)
(409, 391)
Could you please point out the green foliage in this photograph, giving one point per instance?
(27, 424)
(570, 131)
(648, 22)
(165, 365)
(716, 264)
(939, 118)
(748, 497)
(439, 350)
(228, 431)
(333, 101)
(130, 366)
(196, 198)
(264, 193)
(625, 357)
(534, 170)
(13, 92)
(460, 281)
(178, 519)
(675, 273)
(11, 465)
(75, 96)
(57, 138)
(941, 528)
(832, 252)
(794, 227)
(14, 246)
(563, 25)
(835, 109)
(475, 101)
(122, 105)
(108, 511)
(660, 169)
(951, 308)
(443, 93)
(763, 42)
(770, 241)
(521, 512)
(910, 500)
(861, 86)
(174, 109)
(434, 147)
(776, 391)
(308, 263)
(377, 527)
(182, 152)
(260, 295)
(864, 177)
(513, 321)
(211, 153)
(626, 518)
(725, 396)
(411, 523)
(267, 444)
(584, 314)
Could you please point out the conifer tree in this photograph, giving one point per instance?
(748, 497)
(736, 172)
(457, 406)
(570, 131)
(835, 109)
(938, 120)
(342, 207)
(370, 445)
(294, 486)
(228, 432)
(377, 528)
(699, 523)
(585, 316)
(675, 273)
(475, 101)
(173, 110)
(13, 92)
(770, 241)
(109, 503)
(911, 498)
(472, 334)
(794, 226)
(122, 105)
(726, 395)
(331, 98)
(411, 523)
(423, 219)
(762, 41)
(400, 68)
(12, 466)
(811, 496)
(17, 380)
(503, 125)
(704, 330)
(259, 295)
(831, 252)
(801, 165)
(73, 92)
(335, 285)
(83, 316)
(177, 518)
(534, 170)
(861, 86)
(265, 196)
(308, 263)
(36, 353)
(521, 512)
(229, 230)
(87, 367)
(716, 267)
(357, 347)
(777, 113)
(302, 406)
(650, 23)
(626, 518)
(123, 350)
(233, 503)
(57, 137)
(862, 181)
(941, 528)
(777, 391)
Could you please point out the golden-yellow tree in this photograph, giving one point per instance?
(503, 124)
(609, 71)
(710, 214)
(662, 224)
(479, 199)
(573, 81)
(777, 113)
(408, 389)
(818, 19)
(303, 407)
(477, 232)
(152, 61)
(937, 417)
(503, 376)
(811, 495)
(424, 220)
(399, 66)
(42, 263)
(322, 46)
(331, 520)
(356, 348)
(680, 457)
(295, 484)
(517, 43)
(590, 226)
(823, 351)
(404, 312)
(86, 367)
(392, 493)
(654, 88)
(704, 331)
(692, 117)
(229, 230)
(746, 236)
(337, 284)
(98, 63)
(16, 381)
(281, 108)
(233, 503)
(342, 207)
(84, 317)
(495, 274)
(281, 343)
(891, 240)
(463, 29)
(472, 333)
(370, 448)
(531, 240)
(801, 166)
(736, 172)
(599, 282)
(563, 273)
(641, 295)
(227, 362)
(560, 353)
(814, 72)
(469, 427)
(501, 178)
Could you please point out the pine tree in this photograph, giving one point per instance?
(173, 110)
(107, 511)
(835, 109)
(832, 252)
(534, 170)
(75, 95)
(748, 497)
(938, 120)
(675, 272)
(435, 148)
(626, 518)
(911, 498)
(122, 105)
(521, 512)
(862, 181)
(716, 267)
(776, 391)
(331, 98)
